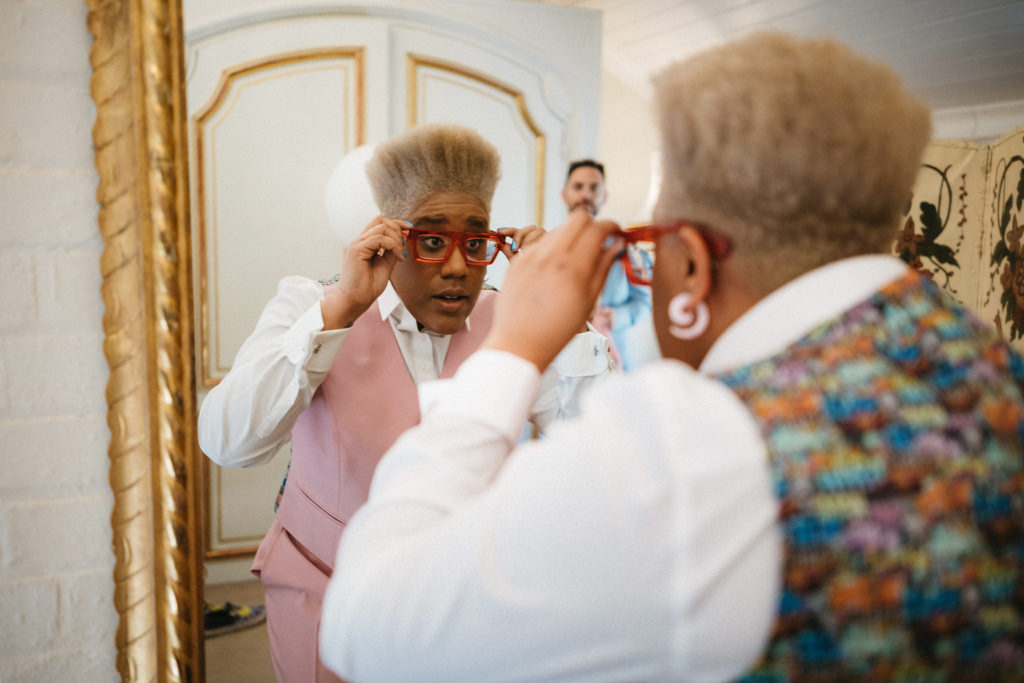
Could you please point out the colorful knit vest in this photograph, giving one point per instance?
(895, 435)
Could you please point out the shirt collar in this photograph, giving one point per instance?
(796, 308)
(390, 304)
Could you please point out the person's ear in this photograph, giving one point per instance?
(699, 271)
(565, 197)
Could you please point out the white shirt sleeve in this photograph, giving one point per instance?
(584, 361)
(637, 542)
(250, 413)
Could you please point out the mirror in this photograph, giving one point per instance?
(142, 157)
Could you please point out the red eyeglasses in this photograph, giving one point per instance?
(638, 254)
(436, 246)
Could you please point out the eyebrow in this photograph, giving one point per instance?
(476, 222)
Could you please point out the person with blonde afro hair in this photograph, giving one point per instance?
(428, 159)
(338, 369)
(822, 479)
(813, 165)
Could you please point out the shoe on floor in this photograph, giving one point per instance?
(228, 617)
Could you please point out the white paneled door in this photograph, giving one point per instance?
(278, 92)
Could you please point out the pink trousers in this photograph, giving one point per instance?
(294, 581)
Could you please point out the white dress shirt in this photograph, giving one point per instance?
(249, 415)
(637, 543)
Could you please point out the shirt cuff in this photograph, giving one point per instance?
(586, 354)
(309, 346)
(492, 388)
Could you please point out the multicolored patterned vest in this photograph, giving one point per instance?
(895, 435)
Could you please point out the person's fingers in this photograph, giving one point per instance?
(366, 246)
(393, 246)
(520, 237)
(598, 233)
(395, 224)
(588, 241)
(391, 258)
(604, 264)
(581, 231)
(381, 224)
(391, 231)
(379, 236)
(530, 235)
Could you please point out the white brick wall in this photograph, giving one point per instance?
(58, 620)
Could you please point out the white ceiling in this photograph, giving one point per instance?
(952, 53)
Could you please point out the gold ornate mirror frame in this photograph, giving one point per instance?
(140, 151)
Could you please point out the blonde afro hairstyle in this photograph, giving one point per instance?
(802, 151)
(428, 159)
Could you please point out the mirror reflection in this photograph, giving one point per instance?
(279, 100)
(280, 107)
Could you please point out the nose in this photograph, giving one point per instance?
(455, 266)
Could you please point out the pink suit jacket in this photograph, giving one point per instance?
(366, 401)
(363, 405)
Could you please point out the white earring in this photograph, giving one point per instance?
(687, 324)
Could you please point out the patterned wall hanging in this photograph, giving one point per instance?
(964, 227)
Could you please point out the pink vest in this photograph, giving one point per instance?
(366, 401)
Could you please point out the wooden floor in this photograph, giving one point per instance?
(243, 655)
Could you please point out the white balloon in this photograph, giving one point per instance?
(348, 198)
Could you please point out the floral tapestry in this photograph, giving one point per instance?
(964, 227)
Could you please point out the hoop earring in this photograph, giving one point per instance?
(687, 324)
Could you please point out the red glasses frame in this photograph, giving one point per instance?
(718, 244)
(457, 238)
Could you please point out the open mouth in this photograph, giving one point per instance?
(451, 301)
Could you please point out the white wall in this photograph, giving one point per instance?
(58, 619)
(629, 139)
(978, 124)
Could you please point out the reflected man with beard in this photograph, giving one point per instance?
(623, 311)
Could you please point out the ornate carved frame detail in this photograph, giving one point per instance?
(141, 155)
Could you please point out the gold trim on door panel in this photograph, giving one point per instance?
(216, 101)
(413, 64)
